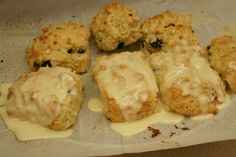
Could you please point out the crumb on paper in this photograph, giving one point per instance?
(154, 131)
(1, 61)
(185, 128)
(35, 22)
(97, 122)
(172, 133)
(94, 127)
(165, 141)
(176, 127)
(73, 16)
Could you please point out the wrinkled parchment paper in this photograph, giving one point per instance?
(21, 21)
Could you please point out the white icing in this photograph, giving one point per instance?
(202, 117)
(26, 131)
(128, 79)
(184, 68)
(95, 105)
(37, 96)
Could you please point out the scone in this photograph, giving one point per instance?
(222, 58)
(51, 97)
(127, 86)
(65, 45)
(187, 83)
(166, 30)
(115, 26)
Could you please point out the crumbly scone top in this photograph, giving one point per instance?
(166, 30)
(59, 40)
(116, 25)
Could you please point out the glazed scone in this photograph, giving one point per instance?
(65, 45)
(115, 26)
(127, 86)
(51, 97)
(166, 30)
(187, 83)
(222, 58)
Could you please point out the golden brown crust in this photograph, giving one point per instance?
(166, 30)
(113, 112)
(116, 25)
(223, 59)
(111, 109)
(187, 105)
(63, 45)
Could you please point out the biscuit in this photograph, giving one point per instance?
(115, 26)
(65, 45)
(50, 97)
(166, 30)
(127, 86)
(187, 83)
(222, 57)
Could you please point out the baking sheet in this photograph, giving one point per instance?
(21, 21)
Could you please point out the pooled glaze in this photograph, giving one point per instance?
(134, 127)
(95, 105)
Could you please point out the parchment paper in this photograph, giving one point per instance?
(21, 21)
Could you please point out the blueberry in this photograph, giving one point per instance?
(46, 63)
(171, 24)
(81, 51)
(121, 45)
(208, 47)
(36, 65)
(157, 44)
(70, 51)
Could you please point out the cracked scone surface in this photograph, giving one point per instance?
(166, 30)
(115, 26)
(222, 57)
(51, 97)
(187, 83)
(127, 86)
(65, 44)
